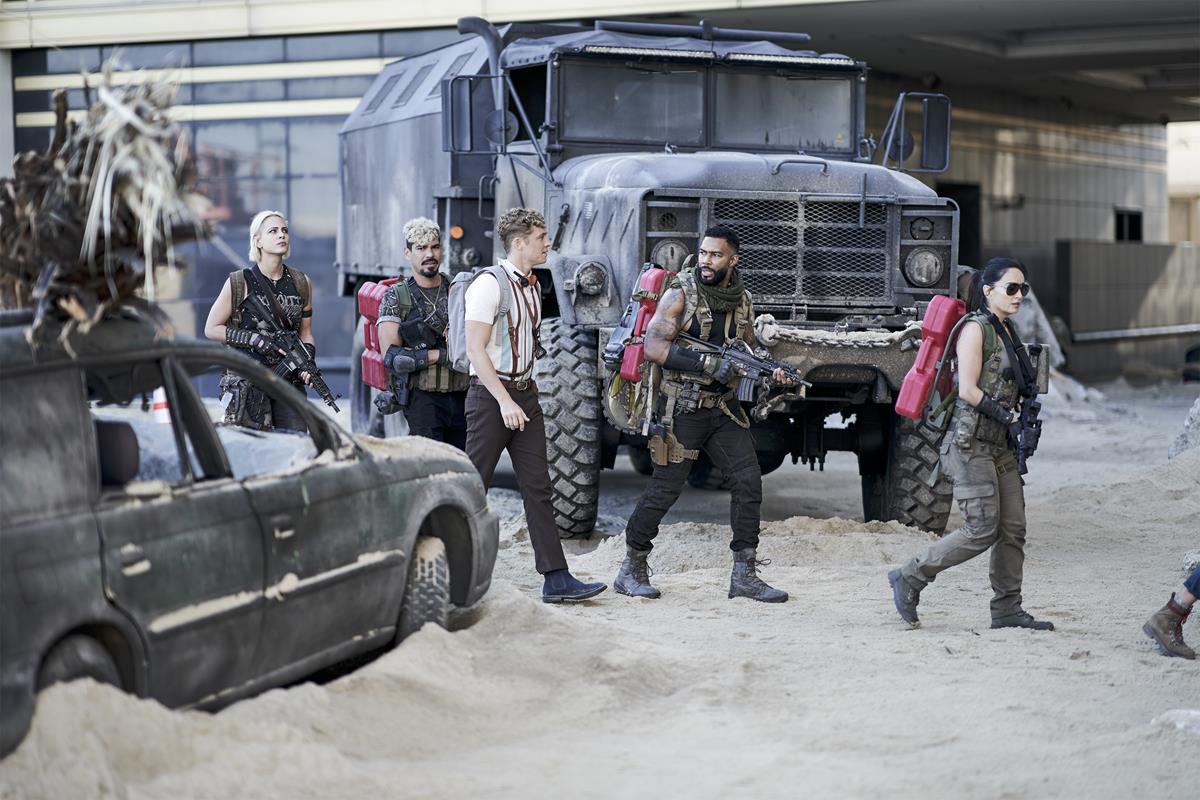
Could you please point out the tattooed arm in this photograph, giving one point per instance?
(664, 326)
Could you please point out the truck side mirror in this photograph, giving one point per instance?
(897, 142)
(935, 133)
(457, 122)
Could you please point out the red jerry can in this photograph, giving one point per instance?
(940, 318)
(370, 296)
(649, 290)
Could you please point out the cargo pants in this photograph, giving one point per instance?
(990, 494)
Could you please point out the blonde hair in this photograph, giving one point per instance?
(256, 227)
(421, 231)
(518, 222)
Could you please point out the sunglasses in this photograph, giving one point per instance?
(1011, 289)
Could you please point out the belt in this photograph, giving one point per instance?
(520, 386)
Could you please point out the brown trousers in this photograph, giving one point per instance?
(487, 438)
(989, 492)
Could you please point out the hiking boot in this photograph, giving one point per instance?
(744, 580)
(634, 577)
(561, 586)
(905, 596)
(1022, 619)
(1166, 629)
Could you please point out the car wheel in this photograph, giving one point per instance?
(78, 656)
(427, 592)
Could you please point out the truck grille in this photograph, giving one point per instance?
(810, 252)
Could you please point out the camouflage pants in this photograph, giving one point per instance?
(250, 407)
(990, 494)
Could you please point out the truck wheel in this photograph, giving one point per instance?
(903, 492)
(640, 458)
(706, 475)
(78, 656)
(569, 390)
(427, 592)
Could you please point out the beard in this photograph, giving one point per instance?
(429, 269)
(717, 276)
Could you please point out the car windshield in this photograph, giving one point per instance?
(773, 110)
(633, 103)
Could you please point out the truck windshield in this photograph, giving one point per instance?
(770, 110)
(624, 103)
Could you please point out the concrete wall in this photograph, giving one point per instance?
(1132, 309)
(1045, 172)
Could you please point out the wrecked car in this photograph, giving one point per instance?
(145, 546)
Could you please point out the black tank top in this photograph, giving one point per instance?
(286, 293)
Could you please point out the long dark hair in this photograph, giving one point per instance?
(994, 271)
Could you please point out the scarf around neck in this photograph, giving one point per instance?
(722, 299)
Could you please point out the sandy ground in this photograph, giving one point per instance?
(695, 695)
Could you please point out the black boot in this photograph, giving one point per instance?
(1022, 619)
(634, 577)
(744, 581)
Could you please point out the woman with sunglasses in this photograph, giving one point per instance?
(994, 376)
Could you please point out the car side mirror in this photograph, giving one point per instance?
(935, 133)
(898, 143)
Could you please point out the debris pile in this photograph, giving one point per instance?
(1189, 435)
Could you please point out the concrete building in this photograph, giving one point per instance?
(1059, 108)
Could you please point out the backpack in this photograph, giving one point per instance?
(456, 330)
(629, 379)
(237, 290)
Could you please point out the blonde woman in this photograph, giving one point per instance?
(284, 299)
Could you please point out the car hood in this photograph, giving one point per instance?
(431, 456)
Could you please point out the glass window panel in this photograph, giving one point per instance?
(314, 146)
(455, 68)
(314, 207)
(37, 139)
(238, 91)
(263, 50)
(66, 59)
(768, 110)
(44, 101)
(235, 202)
(412, 86)
(411, 43)
(382, 93)
(652, 103)
(252, 148)
(334, 46)
(151, 56)
(314, 88)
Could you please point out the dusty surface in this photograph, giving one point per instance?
(694, 695)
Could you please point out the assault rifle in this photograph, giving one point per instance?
(1026, 432)
(754, 371)
(296, 358)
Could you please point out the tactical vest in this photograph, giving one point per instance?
(292, 292)
(968, 424)
(698, 320)
(434, 307)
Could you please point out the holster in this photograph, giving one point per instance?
(248, 405)
(665, 449)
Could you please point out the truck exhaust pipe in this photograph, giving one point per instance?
(491, 39)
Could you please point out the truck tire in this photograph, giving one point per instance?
(708, 476)
(569, 390)
(427, 591)
(78, 656)
(903, 492)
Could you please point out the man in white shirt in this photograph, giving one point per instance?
(503, 412)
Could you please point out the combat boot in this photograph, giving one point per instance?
(1022, 619)
(634, 577)
(744, 581)
(905, 596)
(1166, 629)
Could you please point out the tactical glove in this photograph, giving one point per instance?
(419, 332)
(248, 340)
(993, 409)
(719, 369)
(403, 360)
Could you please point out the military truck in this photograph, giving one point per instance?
(633, 138)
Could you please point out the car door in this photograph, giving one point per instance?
(183, 549)
(331, 573)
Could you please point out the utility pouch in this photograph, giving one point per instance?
(248, 406)
(665, 449)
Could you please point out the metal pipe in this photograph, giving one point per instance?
(704, 30)
(491, 39)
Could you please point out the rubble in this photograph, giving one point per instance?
(1189, 435)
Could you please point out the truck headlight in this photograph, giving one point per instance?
(924, 267)
(590, 277)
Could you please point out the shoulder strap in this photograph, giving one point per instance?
(687, 284)
(302, 285)
(743, 316)
(237, 292)
(506, 297)
(404, 300)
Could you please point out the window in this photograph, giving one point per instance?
(411, 89)
(332, 46)
(1128, 225)
(643, 104)
(382, 94)
(262, 50)
(771, 111)
(455, 68)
